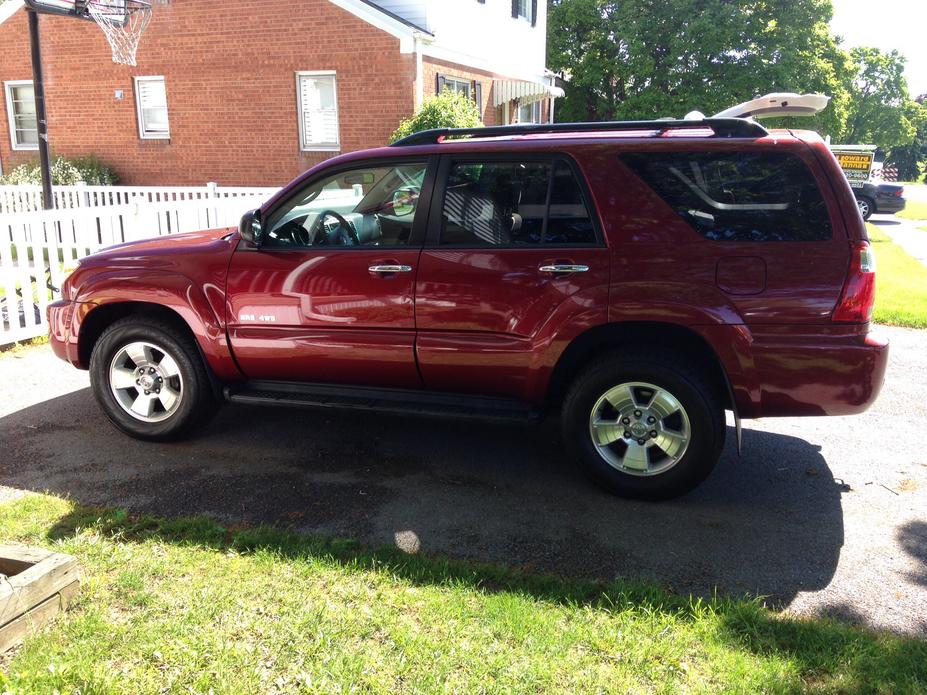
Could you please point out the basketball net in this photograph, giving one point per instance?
(123, 22)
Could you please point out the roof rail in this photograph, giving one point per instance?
(722, 127)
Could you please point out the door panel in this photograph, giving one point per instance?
(488, 317)
(322, 315)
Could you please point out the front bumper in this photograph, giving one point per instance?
(63, 329)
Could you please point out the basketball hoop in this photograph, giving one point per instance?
(123, 22)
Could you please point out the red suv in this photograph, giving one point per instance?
(639, 278)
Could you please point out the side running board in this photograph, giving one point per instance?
(401, 401)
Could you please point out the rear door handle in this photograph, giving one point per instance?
(390, 269)
(563, 268)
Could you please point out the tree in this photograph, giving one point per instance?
(908, 159)
(448, 109)
(881, 112)
(655, 58)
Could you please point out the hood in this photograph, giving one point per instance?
(190, 242)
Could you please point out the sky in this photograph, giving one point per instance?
(887, 24)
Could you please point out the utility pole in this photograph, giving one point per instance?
(38, 85)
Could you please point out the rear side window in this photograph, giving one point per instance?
(514, 203)
(738, 196)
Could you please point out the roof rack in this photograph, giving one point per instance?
(722, 127)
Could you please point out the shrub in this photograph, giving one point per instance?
(445, 110)
(65, 172)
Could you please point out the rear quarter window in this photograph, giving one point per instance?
(738, 196)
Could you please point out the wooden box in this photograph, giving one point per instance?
(38, 584)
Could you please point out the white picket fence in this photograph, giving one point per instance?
(29, 198)
(38, 246)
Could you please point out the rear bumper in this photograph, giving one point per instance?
(835, 375)
(889, 205)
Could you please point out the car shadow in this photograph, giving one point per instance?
(767, 524)
(882, 222)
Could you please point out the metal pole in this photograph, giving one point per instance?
(38, 85)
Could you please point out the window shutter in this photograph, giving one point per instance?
(441, 82)
(515, 8)
(534, 13)
(319, 112)
(478, 96)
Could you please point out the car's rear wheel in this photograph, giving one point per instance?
(866, 207)
(644, 426)
(150, 380)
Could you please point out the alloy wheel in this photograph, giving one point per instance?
(146, 381)
(639, 429)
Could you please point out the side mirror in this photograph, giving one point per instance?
(403, 202)
(250, 227)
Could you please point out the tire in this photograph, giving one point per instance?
(166, 360)
(686, 443)
(866, 207)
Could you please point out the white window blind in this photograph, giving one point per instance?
(151, 100)
(20, 105)
(318, 111)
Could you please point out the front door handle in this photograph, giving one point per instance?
(563, 268)
(390, 269)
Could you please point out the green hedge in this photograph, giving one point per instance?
(445, 110)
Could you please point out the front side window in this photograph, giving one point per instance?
(151, 101)
(357, 208)
(20, 105)
(318, 111)
(738, 196)
(514, 204)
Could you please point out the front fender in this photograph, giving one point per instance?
(174, 291)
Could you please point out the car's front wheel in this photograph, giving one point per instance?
(643, 425)
(150, 380)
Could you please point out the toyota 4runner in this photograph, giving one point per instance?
(638, 278)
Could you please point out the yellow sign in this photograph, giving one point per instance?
(856, 166)
(855, 162)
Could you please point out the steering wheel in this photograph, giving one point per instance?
(345, 225)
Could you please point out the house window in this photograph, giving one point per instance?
(151, 101)
(530, 113)
(318, 111)
(20, 106)
(459, 86)
(525, 9)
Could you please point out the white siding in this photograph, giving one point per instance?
(480, 34)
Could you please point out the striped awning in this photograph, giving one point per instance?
(505, 91)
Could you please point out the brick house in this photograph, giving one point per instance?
(254, 92)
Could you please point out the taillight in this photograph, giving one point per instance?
(899, 193)
(858, 296)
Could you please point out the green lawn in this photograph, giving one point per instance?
(914, 210)
(191, 606)
(901, 284)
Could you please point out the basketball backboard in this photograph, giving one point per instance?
(114, 11)
(123, 21)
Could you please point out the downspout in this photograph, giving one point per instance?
(418, 39)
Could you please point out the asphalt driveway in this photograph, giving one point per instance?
(821, 515)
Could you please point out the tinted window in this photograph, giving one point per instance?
(514, 204)
(743, 196)
(374, 206)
